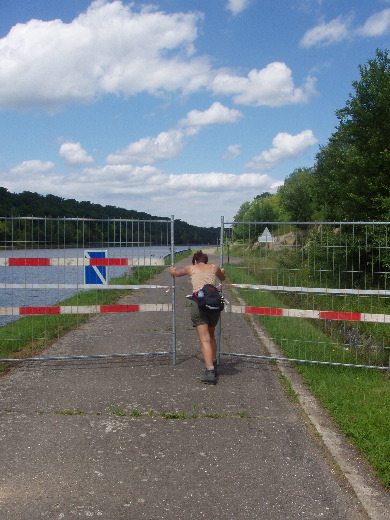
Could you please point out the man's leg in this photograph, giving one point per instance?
(208, 344)
(213, 342)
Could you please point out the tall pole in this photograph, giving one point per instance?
(220, 319)
(173, 291)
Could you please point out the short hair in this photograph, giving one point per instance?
(199, 256)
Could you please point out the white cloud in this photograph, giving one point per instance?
(270, 86)
(377, 24)
(341, 29)
(232, 151)
(284, 146)
(237, 6)
(215, 182)
(74, 155)
(169, 144)
(216, 114)
(111, 49)
(33, 167)
(150, 150)
(107, 49)
(326, 33)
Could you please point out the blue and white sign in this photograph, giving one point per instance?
(95, 274)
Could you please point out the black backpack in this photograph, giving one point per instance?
(209, 298)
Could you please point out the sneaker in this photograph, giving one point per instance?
(209, 377)
(215, 368)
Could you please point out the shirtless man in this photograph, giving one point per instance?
(202, 273)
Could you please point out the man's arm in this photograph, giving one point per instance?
(179, 272)
(220, 273)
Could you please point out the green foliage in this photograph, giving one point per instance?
(262, 210)
(353, 256)
(352, 171)
(297, 198)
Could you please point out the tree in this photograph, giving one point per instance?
(297, 195)
(261, 209)
(352, 171)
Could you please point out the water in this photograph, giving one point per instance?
(59, 275)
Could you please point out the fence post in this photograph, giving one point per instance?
(221, 265)
(173, 291)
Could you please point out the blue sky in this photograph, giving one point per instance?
(184, 108)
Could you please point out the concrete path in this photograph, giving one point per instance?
(138, 438)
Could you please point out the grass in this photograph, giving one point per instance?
(322, 340)
(358, 399)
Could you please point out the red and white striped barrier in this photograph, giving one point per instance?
(319, 315)
(76, 286)
(66, 262)
(323, 290)
(238, 309)
(84, 309)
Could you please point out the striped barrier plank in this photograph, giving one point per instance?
(238, 309)
(323, 290)
(66, 262)
(299, 313)
(76, 286)
(84, 309)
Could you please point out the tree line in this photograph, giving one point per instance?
(31, 204)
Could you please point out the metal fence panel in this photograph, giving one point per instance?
(320, 291)
(55, 272)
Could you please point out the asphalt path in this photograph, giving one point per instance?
(139, 438)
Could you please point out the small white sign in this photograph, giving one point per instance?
(266, 237)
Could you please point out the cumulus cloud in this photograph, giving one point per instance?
(216, 114)
(377, 24)
(232, 151)
(284, 146)
(237, 6)
(169, 144)
(326, 33)
(150, 150)
(216, 182)
(107, 49)
(341, 29)
(112, 49)
(74, 155)
(33, 167)
(270, 86)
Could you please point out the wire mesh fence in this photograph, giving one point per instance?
(57, 272)
(320, 291)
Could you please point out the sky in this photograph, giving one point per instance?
(175, 107)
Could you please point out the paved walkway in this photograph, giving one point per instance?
(138, 438)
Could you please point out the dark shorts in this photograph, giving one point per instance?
(201, 317)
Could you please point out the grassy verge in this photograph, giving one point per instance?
(358, 399)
